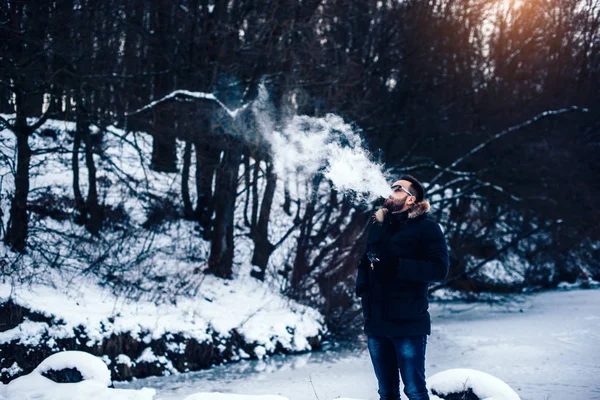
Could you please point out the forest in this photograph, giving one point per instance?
(492, 103)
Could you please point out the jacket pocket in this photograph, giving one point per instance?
(403, 308)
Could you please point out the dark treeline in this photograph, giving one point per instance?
(426, 81)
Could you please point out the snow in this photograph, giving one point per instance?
(484, 386)
(246, 305)
(123, 359)
(34, 386)
(26, 333)
(585, 282)
(148, 356)
(229, 396)
(260, 351)
(90, 366)
(14, 369)
(509, 270)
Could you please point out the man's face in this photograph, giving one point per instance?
(399, 200)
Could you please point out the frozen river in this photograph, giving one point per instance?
(546, 346)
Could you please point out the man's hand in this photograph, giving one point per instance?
(373, 266)
(384, 266)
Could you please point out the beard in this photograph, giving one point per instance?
(393, 204)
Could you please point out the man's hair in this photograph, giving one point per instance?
(416, 187)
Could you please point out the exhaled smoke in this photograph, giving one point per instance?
(305, 146)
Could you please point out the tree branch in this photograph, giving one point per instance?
(506, 131)
(189, 94)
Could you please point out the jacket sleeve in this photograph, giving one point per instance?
(362, 279)
(434, 266)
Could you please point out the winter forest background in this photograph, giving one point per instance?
(137, 154)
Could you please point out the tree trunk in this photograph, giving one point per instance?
(301, 268)
(35, 23)
(207, 161)
(94, 221)
(254, 215)
(262, 246)
(5, 101)
(79, 201)
(164, 146)
(247, 184)
(188, 210)
(221, 257)
(164, 154)
(16, 233)
(287, 202)
(89, 210)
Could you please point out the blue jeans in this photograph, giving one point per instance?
(407, 353)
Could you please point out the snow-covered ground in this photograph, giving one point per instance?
(549, 350)
(162, 291)
(253, 310)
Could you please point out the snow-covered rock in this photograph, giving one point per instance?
(90, 366)
(458, 380)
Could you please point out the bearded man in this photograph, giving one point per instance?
(406, 250)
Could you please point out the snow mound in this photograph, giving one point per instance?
(90, 366)
(229, 396)
(484, 386)
(35, 386)
(94, 386)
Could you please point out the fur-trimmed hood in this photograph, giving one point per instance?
(418, 209)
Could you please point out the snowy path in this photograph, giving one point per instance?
(550, 350)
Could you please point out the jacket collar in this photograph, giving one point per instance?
(418, 210)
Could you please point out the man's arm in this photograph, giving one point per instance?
(435, 266)
(362, 279)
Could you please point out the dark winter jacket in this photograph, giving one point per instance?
(413, 252)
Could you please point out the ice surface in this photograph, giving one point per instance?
(548, 351)
(229, 396)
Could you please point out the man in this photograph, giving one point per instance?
(405, 250)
